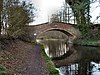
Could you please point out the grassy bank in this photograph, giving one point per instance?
(3, 71)
(85, 42)
(50, 64)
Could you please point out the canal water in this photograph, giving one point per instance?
(72, 60)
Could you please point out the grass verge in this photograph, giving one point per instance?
(85, 42)
(50, 64)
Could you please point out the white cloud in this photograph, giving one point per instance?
(46, 8)
(95, 11)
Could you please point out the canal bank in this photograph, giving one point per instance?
(92, 38)
(87, 42)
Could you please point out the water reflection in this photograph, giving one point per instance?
(73, 60)
(85, 62)
(89, 68)
(55, 47)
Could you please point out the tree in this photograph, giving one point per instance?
(17, 16)
(54, 18)
(81, 10)
(63, 15)
(17, 25)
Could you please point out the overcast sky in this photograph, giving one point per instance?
(95, 11)
(47, 7)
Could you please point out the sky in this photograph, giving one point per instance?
(47, 7)
(95, 11)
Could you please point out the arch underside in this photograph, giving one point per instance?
(69, 34)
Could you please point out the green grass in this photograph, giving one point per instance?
(87, 42)
(50, 64)
(3, 71)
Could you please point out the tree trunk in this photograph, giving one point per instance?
(1, 7)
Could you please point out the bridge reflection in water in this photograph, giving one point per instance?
(73, 60)
(83, 61)
(55, 47)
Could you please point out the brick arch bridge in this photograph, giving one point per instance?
(36, 30)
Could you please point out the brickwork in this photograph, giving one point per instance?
(68, 29)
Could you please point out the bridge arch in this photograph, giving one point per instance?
(57, 29)
(68, 29)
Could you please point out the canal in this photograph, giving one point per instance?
(72, 60)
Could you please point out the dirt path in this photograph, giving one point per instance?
(23, 59)
(37, 65)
